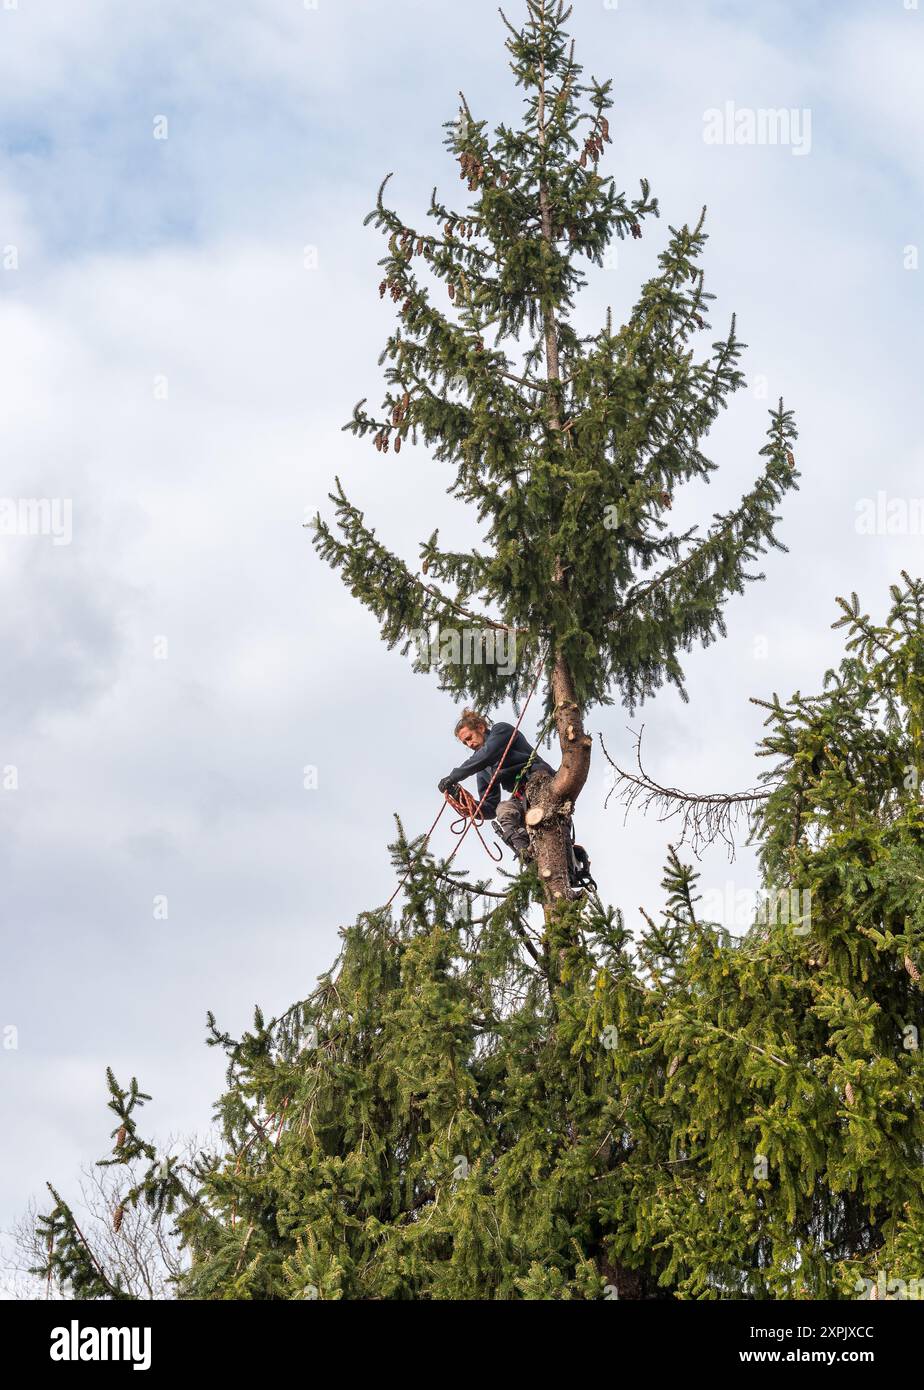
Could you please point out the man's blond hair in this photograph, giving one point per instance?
(471, 719)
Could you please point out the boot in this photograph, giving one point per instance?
(518, 841)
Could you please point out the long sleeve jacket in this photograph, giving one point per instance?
(485, 760)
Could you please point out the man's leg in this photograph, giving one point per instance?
(510, 825)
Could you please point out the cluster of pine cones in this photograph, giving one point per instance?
(398, 414)
(472, 170)
(593, 145)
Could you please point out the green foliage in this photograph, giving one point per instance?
(569, 450)
(467, 1109)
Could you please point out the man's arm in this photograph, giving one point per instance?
(489, 753)
(490, 805)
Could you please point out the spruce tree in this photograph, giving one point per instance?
(793, 1084)
(569, 449)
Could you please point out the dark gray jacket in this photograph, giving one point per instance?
(485, 760)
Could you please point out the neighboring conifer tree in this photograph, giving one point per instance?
(794, 1085)
(569, 450)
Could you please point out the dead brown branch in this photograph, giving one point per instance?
(705, 818)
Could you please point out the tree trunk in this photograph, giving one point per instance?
(552, 799)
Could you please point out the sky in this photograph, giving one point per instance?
(188, 312)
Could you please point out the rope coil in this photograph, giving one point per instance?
(468, 812)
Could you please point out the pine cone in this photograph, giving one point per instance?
(636, 231)
(452, 291)
(848, 1092)
(674, 1064)
(382, 288)
(405, 402)
(117, 1218)
(912, 969)
(789, 458)
(397, 444)
(120, 1137)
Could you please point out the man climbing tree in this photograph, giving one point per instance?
(570, 449)
(504, 759)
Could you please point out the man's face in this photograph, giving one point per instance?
(472, 738)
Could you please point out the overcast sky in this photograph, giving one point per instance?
(176, 367)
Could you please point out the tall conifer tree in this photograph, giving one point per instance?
(569, 450)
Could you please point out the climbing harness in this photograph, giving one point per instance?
(540, 738)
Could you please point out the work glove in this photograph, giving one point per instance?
(444, 784)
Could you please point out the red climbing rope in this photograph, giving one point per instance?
(464, 803)
(466, 807)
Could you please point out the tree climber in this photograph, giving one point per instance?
(520, 765)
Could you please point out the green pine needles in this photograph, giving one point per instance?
(569, 450)
(689, 1115)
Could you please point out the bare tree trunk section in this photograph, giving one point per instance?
(551, 800)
